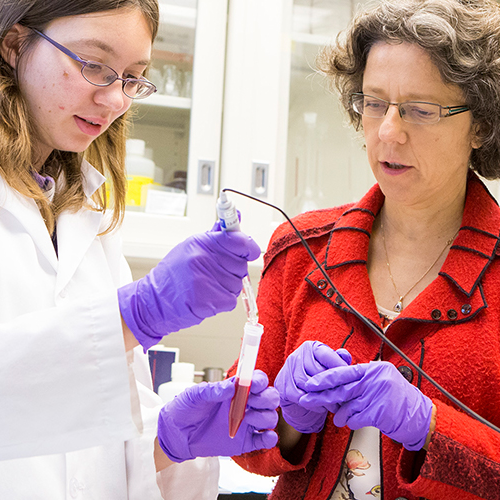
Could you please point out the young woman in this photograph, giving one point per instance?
(78, 417)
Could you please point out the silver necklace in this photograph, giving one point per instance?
(398, 307)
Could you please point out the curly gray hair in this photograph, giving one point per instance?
(462, 38)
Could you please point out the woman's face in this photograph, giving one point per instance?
(69, 112)
(415, 165)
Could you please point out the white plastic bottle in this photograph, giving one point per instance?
(182, 378)
(196, 479)
(140, 172)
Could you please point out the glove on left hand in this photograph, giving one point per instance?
(308, 359)
(373, 394)
(196, 422)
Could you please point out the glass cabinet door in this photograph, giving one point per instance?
(173, 154)
(325, 163)
(282, 117)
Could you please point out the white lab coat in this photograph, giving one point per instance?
(71, 425)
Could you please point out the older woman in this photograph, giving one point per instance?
(417, 255)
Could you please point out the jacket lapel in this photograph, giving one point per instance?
(456, 295)
(345, 259)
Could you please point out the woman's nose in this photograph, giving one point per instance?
(112, 97)
(392, 126)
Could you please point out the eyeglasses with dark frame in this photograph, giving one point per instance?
(102, 75)
(421, 113)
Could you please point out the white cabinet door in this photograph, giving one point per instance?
(280, 122)
(182, 124)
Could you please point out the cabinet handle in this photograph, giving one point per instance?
(260, 176)
(206, 169)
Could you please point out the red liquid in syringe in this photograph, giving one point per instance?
(238, 407)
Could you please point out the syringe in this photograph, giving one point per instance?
(229, 221)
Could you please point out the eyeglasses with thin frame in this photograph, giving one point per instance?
(102, 75)
(421, 113)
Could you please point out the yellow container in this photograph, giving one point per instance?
(135, 184)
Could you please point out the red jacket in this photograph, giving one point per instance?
(452, 330)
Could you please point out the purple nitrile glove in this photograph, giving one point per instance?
(198, 278)
(196, 422)
(311, 358)
(373, 394)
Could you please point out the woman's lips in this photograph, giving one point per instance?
(88, 127)
(394, 168)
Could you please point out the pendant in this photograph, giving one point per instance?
(399, 306)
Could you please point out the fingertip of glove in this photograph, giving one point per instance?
(259, 382)
(345, 355)
(269, 439)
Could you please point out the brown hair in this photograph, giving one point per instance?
(106, 153)
(462, 38)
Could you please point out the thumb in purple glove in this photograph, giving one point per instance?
(374, 394)
(196, 422)
(310, 359)
(198, 278)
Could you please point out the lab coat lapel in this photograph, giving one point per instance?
(75, 234)
(77, 231)
(27, 214)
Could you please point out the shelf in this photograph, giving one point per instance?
(150, 237)
(165, 101)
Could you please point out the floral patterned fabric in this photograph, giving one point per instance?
(361, 472)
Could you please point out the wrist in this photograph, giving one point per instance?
(432, 427)
(289, 440)
(128, 337)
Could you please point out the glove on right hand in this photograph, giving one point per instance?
(311, 358)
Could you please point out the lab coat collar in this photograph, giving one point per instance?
(75, 231)
(92, 179)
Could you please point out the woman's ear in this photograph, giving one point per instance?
(476, 141)
(9, 47)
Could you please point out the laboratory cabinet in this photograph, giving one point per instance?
(285, 139)
(257, 118)
(181, 126)
(250, 114)
(242, 106)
